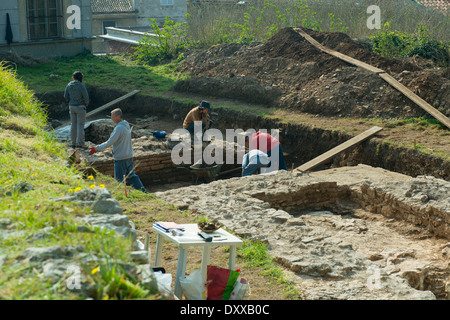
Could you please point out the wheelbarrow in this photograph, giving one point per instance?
(208, 173)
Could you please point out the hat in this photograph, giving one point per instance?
(205, 104)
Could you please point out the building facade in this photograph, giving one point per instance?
(46, 28)
(131, 15)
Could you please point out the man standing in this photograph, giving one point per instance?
(78, 98)
(199, 113)
(120, 140)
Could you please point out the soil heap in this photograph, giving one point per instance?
(288, 72)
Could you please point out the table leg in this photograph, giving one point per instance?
(159, 242)
(181, 270)
(206, 256)
(232, 259)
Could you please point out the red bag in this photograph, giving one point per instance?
(220, 283)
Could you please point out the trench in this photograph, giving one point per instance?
(300, 143)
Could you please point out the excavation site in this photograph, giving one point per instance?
(370, 220)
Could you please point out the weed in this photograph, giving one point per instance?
(255, 254)
(395, 44)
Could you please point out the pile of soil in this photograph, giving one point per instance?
(288, 72)
(13, 59)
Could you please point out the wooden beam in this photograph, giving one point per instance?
(109, 104)
(385, 76)
(336, 150)
(338, 55)
(416, 99)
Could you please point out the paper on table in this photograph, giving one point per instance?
(188, 236)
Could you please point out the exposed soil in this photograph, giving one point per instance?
(290, 73)
(314, 89)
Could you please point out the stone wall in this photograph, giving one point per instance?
(151, 167)
(421, 201)
(317, 195)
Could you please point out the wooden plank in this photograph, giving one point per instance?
(109, 104)
(388, 78)
(338, 55)
(336, 150)
(416, 99)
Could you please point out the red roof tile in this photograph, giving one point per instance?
(441, 5)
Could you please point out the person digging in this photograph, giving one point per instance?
(199, 113)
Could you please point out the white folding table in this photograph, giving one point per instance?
(190, 238)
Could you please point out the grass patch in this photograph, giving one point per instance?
(33, 173)
(117, 72)
(255, 255)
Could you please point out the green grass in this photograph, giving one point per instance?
(255, 254)
(212, 22)
(29, 155)
(108, 71)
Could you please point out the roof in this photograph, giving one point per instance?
(440, 5)
(112, 6)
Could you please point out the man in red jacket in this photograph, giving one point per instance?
(271, 146)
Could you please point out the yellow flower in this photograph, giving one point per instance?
(95, 270)
(92, 186)
(77, 189)
(70, 190)
(101, 186)
(91, 177)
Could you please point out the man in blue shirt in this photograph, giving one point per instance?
(120, 140)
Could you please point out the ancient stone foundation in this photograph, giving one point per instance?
(328, 229)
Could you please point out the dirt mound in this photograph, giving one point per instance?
(288, 72)
(12, 58)
(341, 42)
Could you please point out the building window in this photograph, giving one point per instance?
(44, 19)
(108, 24)
(166, 2)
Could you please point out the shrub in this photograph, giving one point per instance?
(395, 44)
(164, 44)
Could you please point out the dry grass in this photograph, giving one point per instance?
(210, 23)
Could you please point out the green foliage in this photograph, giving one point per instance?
(336, 24)
(255, 253)
(164, 44)
(16, 99)
(259, 24)
(32, 157)
(113, 282)
(395, 44)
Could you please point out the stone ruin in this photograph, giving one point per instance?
(326, 227)
(311, 226)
